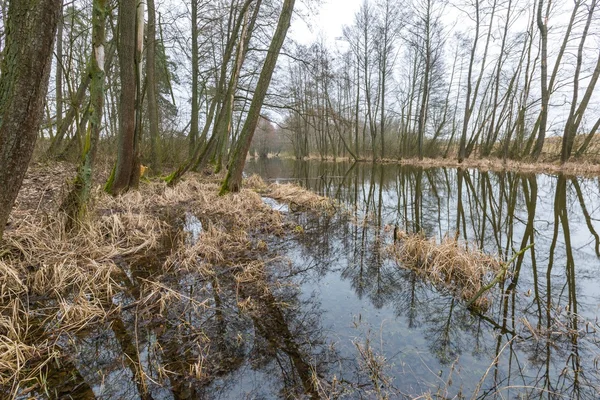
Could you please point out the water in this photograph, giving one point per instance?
(541, 327)
(338, 312)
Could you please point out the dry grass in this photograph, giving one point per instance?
(296, 196)
(54, 283)
(451, 265)
(582, 168)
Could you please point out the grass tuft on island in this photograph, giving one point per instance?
(449, 265)
(295, 196)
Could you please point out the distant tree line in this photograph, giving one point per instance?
(450, 78)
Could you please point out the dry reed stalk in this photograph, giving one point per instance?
(451, 265)
(255, 182)
(374, 366)
(299, 197)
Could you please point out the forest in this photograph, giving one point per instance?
(229, 199)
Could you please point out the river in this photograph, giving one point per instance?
(332, 316)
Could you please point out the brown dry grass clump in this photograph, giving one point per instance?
(294, 195)
(54, 284)
(450, 264)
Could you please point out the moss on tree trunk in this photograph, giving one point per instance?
(30, 32)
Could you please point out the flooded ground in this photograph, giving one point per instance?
(325, 314)
(539, 338)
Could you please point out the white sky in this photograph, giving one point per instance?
(329, 22)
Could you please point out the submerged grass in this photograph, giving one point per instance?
(458, 267)
(296, 196)
(55, 283)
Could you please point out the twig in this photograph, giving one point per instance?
(499, 277)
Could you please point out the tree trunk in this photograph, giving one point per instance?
(233, 180)
(56, 146)
(75, 204)
(195, 71)
(30, 31)
(463, 151)
(202, 151)
(152, 90)
(59, 70)
(426, 74)
(121, 176)
(543, 28)
(576, 113)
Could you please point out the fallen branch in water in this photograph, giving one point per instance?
(499, 277)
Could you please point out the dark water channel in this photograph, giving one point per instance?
(341, 320)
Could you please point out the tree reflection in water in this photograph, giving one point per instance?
(326, 314)
(538, 340)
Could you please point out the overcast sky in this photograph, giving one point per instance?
(332, 16)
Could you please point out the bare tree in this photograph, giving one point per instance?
(576, 111)
(75, 204)
(125, 173)
(233, 180)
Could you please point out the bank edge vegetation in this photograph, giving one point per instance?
(410, 79)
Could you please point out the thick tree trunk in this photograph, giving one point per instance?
(233, 180)
(121, 176)
(30, 31)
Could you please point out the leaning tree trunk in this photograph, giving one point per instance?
(75, 204)
(30, 31)
(233, 179)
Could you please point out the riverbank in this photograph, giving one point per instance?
(548, 163)
(127, 273)
(572, 168)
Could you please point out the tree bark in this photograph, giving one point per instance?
(59, 71)
(75, 204)
(30, 32)
(543, 28)
(152, 90)
(195, 71)
(233, 180)
(126, 47)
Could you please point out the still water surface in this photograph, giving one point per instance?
(541, 327)
(341, 320)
